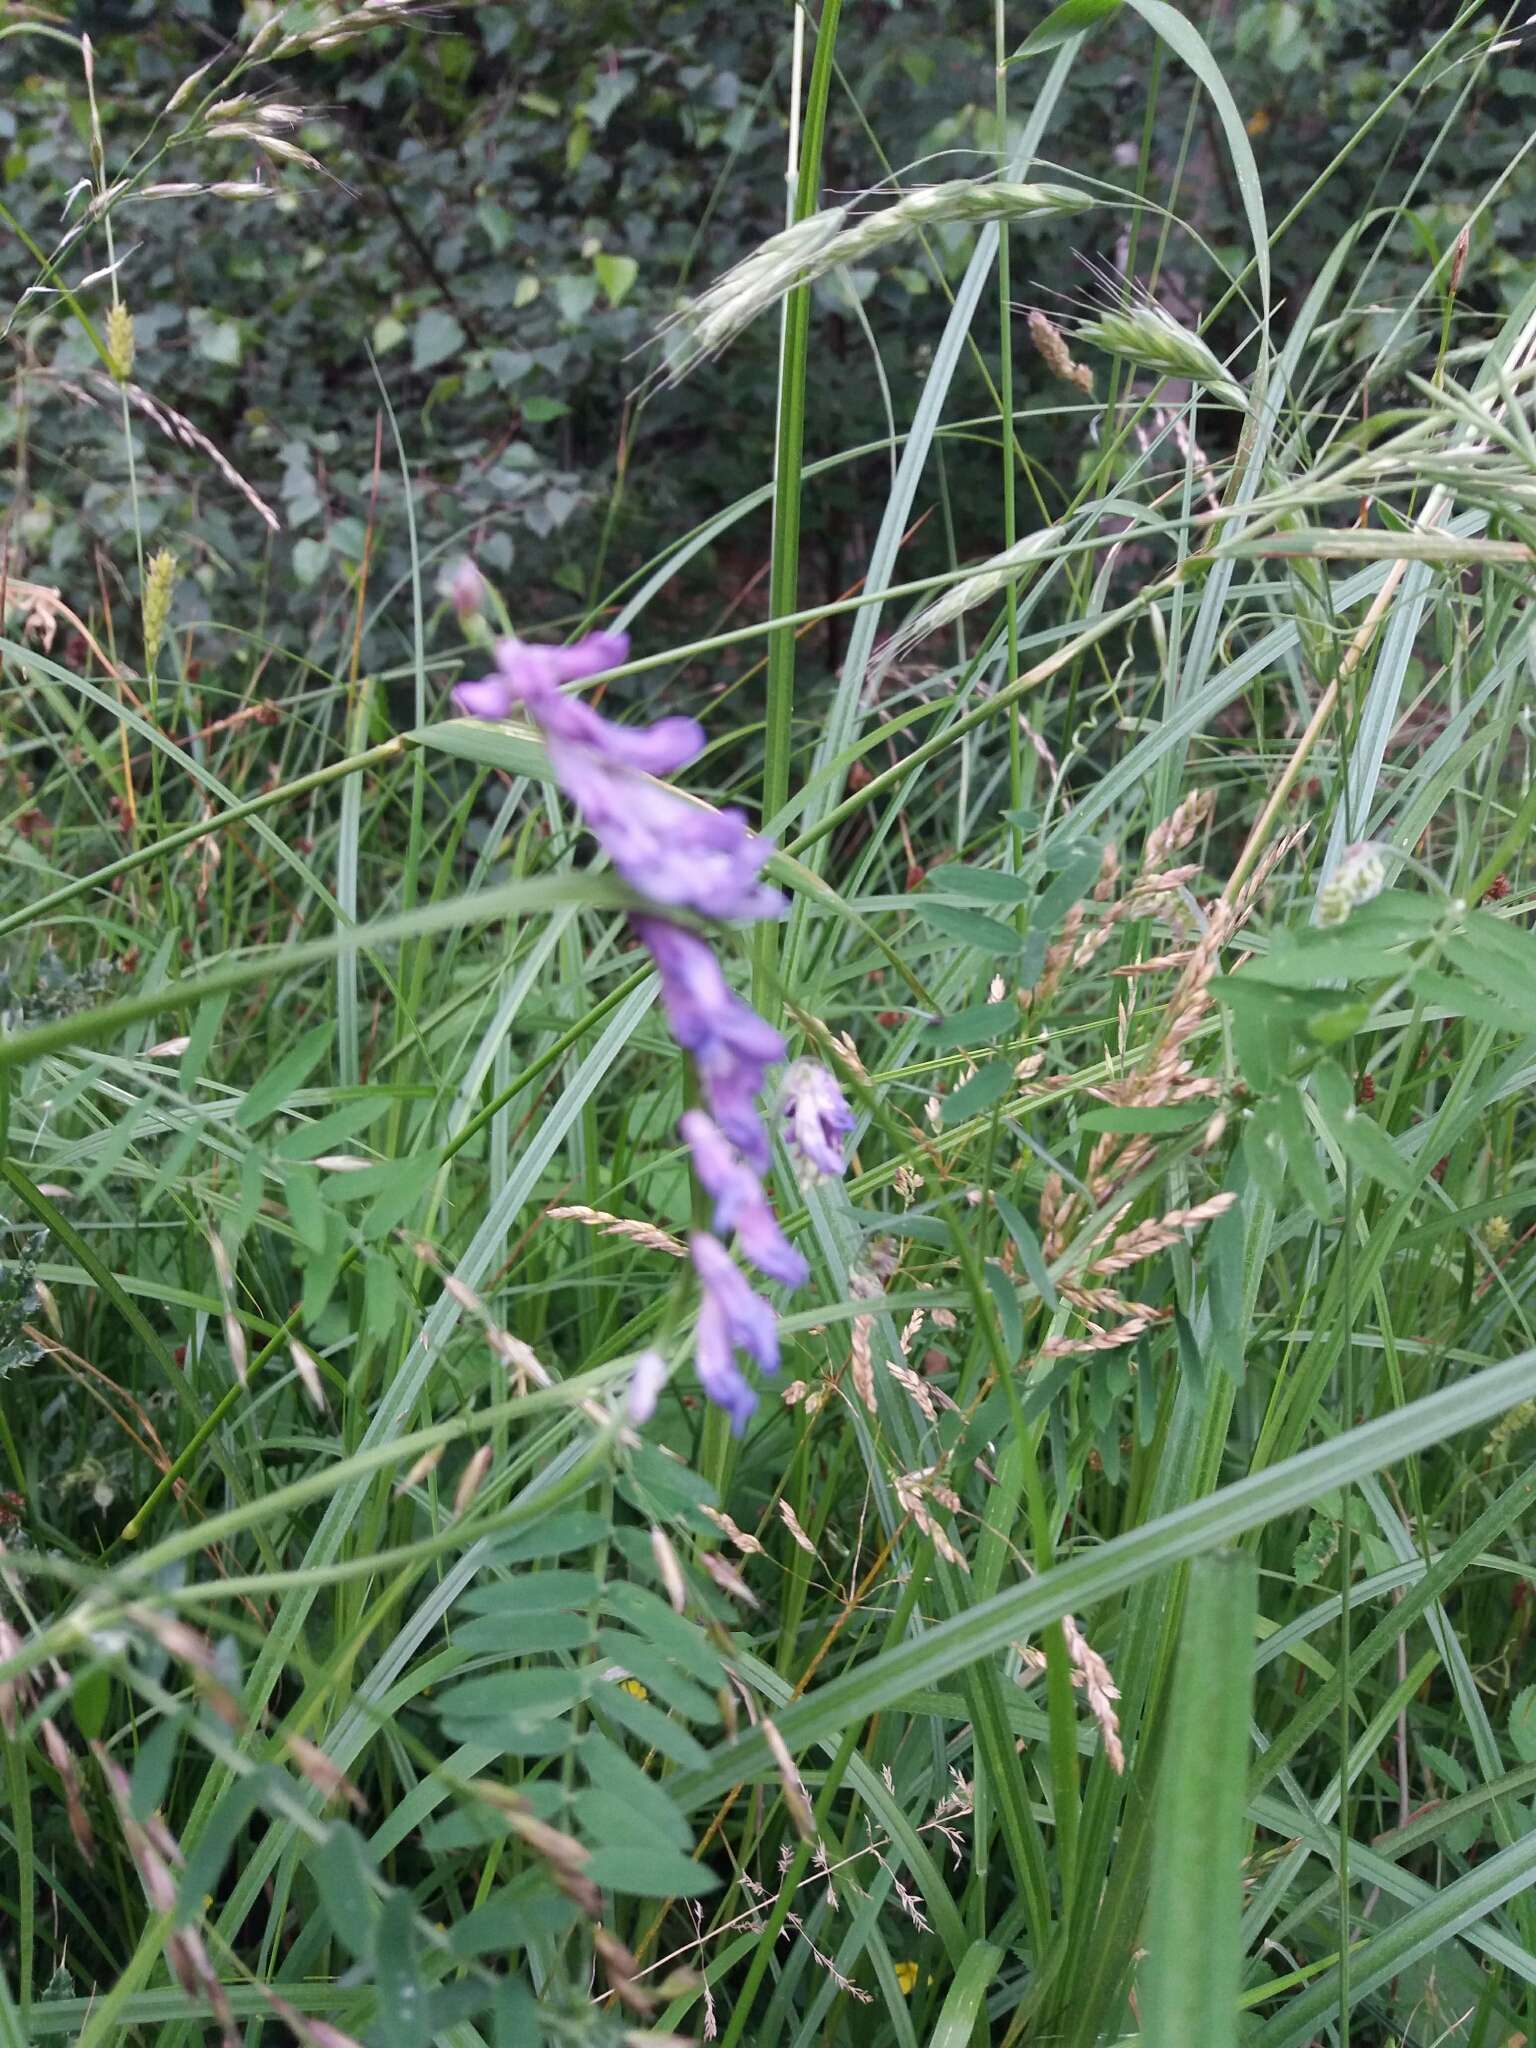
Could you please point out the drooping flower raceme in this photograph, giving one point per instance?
(682, 855)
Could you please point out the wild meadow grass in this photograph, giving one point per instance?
(1114, 1621)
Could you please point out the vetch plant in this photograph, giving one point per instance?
(690, 857)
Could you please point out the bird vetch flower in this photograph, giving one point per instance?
(731, 1045)
(816, 1121)
(741, 1204)
(731, 1318)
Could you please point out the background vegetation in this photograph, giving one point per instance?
(1116, 1621)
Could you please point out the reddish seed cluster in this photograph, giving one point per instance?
(1496, 889)
(1366, 1089)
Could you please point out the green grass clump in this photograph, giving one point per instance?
(1114, 1623)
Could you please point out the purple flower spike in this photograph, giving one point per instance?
(740, 1202)
(816, 1121)
(732, 1047)
(731, 1318)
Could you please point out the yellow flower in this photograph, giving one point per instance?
(906, 1977)
(634, 1688)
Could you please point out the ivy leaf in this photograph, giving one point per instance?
(435, 337)
(616, 275)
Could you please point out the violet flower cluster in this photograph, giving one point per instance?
(682, 855)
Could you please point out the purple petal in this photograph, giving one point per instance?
(816, 1119)
(750, 1320)
(490, 697)
(741, 1204)
(716, 1366)
(658, 749)
(731, 1045)
(681, 854)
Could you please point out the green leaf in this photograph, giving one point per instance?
(326, 1133)
(1522, 1725)
(1459, 998)
(572, 1529)
(982, 885)
(1005, 1298)
(650, 1725)
(970, 927)
(1264, 1151)
(306, 1211)
(343, 1872)
(989, 1084)
(205, 1027)
(681, 1640)
(964, 2008)
(651, 1667)
(1301, 1153)
(1071, 18)
(616, 275)
(1019, 1229)
(540, 406)
(521, 1701)
(309, 560)
(653, 1872)
(388, 333)
(534, 1592)
(1333, 1026)
(524, 1635)
(1145, 1122)
(970, 1027)
(218, 341)
(1360, 1137)
(1055, 900)
(1193, 1972)
(286, 1078)
(500, 226)
(435, 336)
(89, 1699)
(403, 2019)
(617, 1777)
